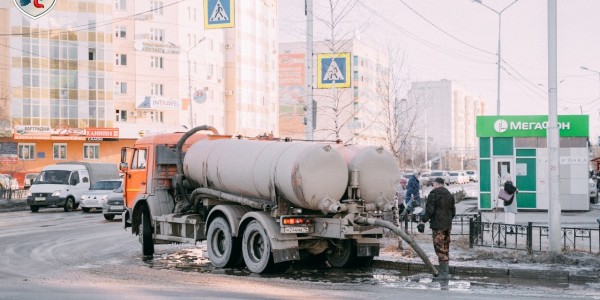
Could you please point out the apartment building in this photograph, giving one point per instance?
(445, 118)
(92, 76)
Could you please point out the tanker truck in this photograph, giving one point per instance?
(259, 203)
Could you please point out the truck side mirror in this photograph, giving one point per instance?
(123, 167)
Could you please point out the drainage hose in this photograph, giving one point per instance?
(403, 235)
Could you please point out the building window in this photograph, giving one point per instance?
(92, 54)
(120, 88)
(120, 4)
(120, 32)
(157, 34)
(156, 62)
(355, 60)
(121, 59)
(210, 71)
(26, 151)
(120, 115)
(60, 151)
(156, 89)
(157, 7)
(91, 151)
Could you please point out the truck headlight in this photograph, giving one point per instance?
(105, 197)
(56, 194)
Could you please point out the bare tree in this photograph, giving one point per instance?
(335, 109)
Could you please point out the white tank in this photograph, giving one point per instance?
(303, 173)
(378, 171)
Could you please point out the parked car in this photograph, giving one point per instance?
(593, 192)
(473, 175)
(98, 194)
(29, 178)
(8, 182)
(439, 174)
(463, 178)
(424, 179)
(114, 204)
(453, 177)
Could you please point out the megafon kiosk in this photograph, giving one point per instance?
(517, 146)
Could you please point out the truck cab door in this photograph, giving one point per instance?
(136, 177)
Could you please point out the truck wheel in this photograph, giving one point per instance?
(85, 209)
(342, 254)
(146, 234)
(109, 217)
(256, 248)
(223, 248)
(34, 208)
(69, 204)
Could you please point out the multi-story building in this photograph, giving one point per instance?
(252, 94)
(445, 119)
(92, 76)
(56, 88)
(349, 114)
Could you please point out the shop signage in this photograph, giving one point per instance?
(531, 126)
(160, 103)
(157, 47)
(65, 130)
(31, 132)
(102, 133)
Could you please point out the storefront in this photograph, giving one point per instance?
(517, 146)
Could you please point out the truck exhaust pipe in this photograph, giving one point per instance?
(403, 235)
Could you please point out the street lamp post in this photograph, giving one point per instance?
(499, 45)
(190, 80)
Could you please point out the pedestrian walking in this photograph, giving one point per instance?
(439, 212)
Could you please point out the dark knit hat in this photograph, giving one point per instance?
(439, 180)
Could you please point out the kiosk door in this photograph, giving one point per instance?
(503, 171)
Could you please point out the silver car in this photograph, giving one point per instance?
(114, 204)
(98, 194)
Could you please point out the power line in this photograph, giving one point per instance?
(444, 31)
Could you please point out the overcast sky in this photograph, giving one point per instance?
(458, 39)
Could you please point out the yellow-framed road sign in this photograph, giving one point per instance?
(219, 14)
(333, 70)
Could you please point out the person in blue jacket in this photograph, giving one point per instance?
(413, 198)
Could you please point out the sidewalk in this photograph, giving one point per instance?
(500, 262)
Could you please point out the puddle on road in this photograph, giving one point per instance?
(192, 261)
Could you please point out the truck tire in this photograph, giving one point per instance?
(146, 234)
(342, 254)
(256, 248)
(69, 204)
(223, 249)
(85, 209)
(109, 217)
(34, 208)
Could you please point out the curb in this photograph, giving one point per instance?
(547, 274)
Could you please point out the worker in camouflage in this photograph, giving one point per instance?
(439, 211)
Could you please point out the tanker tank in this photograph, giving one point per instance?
(310, 176)
(378, 172)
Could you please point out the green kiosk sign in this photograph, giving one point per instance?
(531, 126)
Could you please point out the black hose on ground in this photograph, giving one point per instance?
(404, 236)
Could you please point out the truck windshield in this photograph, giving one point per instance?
(53, 177)
(106, 185)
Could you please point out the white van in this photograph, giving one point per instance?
(62, 185)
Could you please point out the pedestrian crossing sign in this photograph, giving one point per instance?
(219, 14)
(333, 70)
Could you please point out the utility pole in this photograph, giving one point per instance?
(309, 70)
(190, 81)
(554, 225)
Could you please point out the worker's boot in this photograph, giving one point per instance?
(443, 272)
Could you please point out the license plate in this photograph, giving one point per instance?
(296, 229)
(40, 198)
(116, 207)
